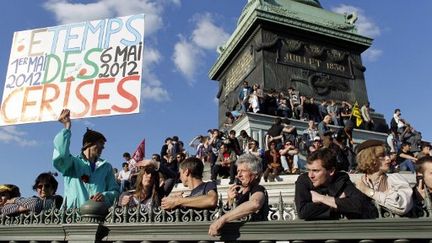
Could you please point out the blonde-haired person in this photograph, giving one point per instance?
(391, 191)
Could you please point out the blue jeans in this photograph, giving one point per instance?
(124, 185)
(407, 165)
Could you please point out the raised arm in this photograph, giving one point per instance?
(62, 159)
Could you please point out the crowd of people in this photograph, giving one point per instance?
(324, 191)
(291, 104)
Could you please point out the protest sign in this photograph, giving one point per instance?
(92, 68)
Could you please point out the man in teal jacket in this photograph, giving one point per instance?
(86, 176)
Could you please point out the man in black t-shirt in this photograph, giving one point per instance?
(203, 194)
(405, 158)
(250, 197)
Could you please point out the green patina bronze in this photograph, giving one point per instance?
(293, 43)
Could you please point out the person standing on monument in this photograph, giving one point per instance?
(86, 176)
(334, 112)
(296, 103)
(365, 112)
(243, 96)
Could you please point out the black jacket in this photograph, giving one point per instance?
(355, 205)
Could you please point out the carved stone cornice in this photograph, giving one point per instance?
(258, 10)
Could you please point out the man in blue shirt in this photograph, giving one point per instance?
(86, 176)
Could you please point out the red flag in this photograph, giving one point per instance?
(139, 152)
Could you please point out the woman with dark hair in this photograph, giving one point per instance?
(46, 187)
(273, 162)
(147, 191)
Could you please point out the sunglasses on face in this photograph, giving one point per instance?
(40, 186)
(148, 170)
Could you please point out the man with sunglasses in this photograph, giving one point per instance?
(86, 176)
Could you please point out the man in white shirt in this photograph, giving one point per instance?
(124, 177)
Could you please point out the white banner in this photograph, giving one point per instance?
(92, 68)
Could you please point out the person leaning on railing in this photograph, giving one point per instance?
(324, 193)
(423, 189)
(391, 191)
(147, 192)
(249, 197)
(203, 194)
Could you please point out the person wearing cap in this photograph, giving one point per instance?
(391, 191)
(315, 145)
(325, 193)
(86, 176)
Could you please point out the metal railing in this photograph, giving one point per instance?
(123, 224)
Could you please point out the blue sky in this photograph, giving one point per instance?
(177, 96)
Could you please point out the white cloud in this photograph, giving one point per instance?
(189, 53)
(67, 12)
(176, 2)
(155, 93)
(372, 54)
(207, 35)
(152, 86)
(11, 134)
(365, 25)
(187, 58)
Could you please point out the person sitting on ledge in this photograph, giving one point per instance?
(391, 191)
(324, 193)
(249, 197)
(203, 195)
(86, 176)
(147, 192)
